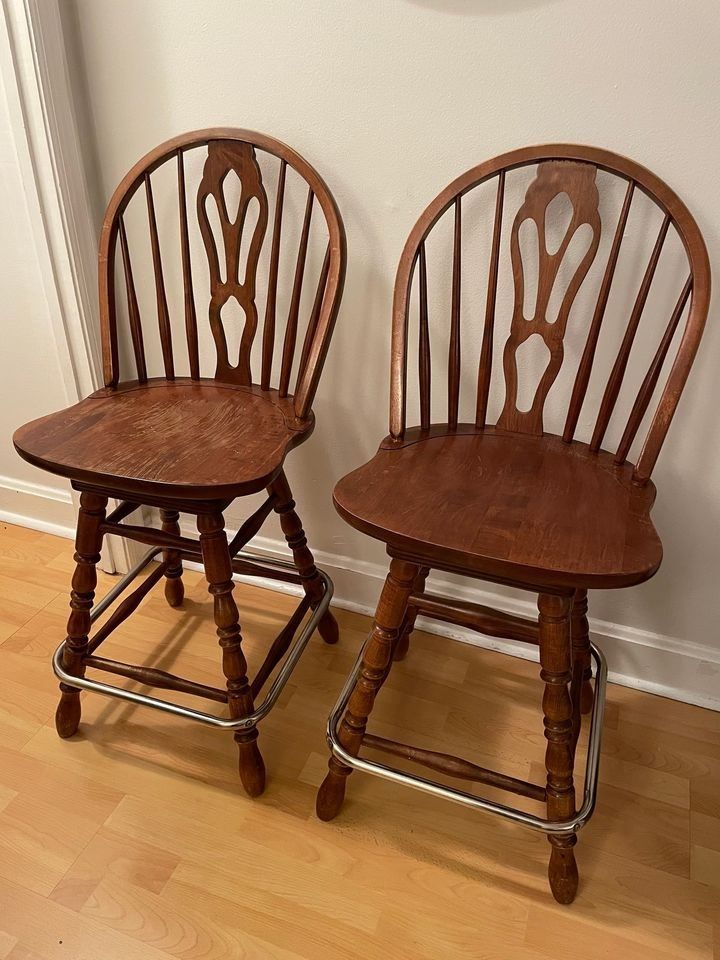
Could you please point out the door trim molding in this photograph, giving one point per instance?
(34, 69)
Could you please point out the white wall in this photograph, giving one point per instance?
(391, 99)
(33, 382)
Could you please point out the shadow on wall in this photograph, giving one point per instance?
(480, 7)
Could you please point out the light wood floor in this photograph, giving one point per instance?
(134, 841)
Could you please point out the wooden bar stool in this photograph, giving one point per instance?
(182, 442)
(513, 503)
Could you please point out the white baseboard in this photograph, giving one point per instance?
(37, 506)
(657, 664)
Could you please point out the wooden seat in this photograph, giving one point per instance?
(194, 412)
(546, 485)
(507, 506)
(185, 438)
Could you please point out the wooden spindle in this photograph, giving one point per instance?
(583, 375)
(88, 544)
(376, 658)
(556, 673)
(252, 526)
(271, 303)
(455, 767)
(304, 562)
(152, 677)
(218, 571)
(133, 310)
(190, 315)
(475, 616)
(124, 509)
(162, 307)
(618, 371)
(292, 323)
(424, 345)
(128, 606)
(150, 536)
(279, 646)
(314, 313)
(485, 367)
(108, 305)
(651, 378)
(454, 349)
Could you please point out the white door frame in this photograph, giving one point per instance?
(34, 69)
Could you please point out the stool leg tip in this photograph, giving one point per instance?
(174, 592)
(563, 874)
(67, 715)
(328, 628)
(251, 767)
(331, 795)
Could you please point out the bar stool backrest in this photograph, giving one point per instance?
(562, 263)
(249, 244)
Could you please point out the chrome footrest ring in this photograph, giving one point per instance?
(554, 828)
(225, 723)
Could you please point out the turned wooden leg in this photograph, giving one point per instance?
(555, 663)
(581, 648)
(581, 690)
(218, 571)
(88, 543)
(174, 589)
(304, 560)
(403, 642)
(376, 660)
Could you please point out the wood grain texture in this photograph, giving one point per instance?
(510, 506)
(225, 284)
(217, 440)
(126, 843)
(577, 181)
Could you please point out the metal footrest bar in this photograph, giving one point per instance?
(179, 710)
(559, 827)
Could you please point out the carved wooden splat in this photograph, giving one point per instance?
(554, 177)
(223, 158)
